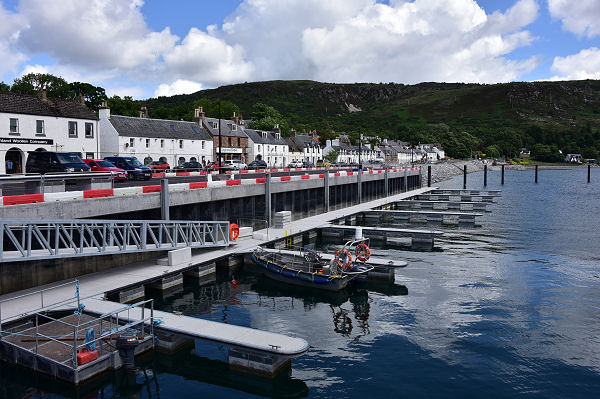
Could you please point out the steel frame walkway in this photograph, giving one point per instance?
(22, 240)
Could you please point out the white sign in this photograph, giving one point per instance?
(228, 150)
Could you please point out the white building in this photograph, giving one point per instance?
(269, 145)
(304, 148)
(37, 123)
(154, 139)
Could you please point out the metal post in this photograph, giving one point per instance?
(536, 173)
(359, 186)
(386, 183)
(405, 179)
(484, 175)
(326, 188)
(420, 176)
(589, 173)
(502, 174)
(465, 177)
(428, 175)
(164, 199)
(268, 197)
(220, 142)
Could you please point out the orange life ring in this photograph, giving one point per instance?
(348, 256)
(362, 251)
(234, 232)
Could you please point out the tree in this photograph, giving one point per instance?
(125, 106)
(492, 151)
(4, 87)
(211, 109)
(93, 95)
(31, 83)
(331, 156)
(590, 153)
(265, 117)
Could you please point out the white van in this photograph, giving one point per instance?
(235, 164)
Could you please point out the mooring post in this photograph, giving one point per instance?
(268, 198)
(428, 175)
(359, 183)
(465, 177)
(484, 175)
(385, 183)
(326, 188)
(502, 174)
(589, 173)
(164, 199)
(536, 173)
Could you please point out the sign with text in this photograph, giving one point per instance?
(229, 150)
(18, 140)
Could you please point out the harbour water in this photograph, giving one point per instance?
(509, 308)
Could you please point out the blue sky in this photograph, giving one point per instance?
(148, 48)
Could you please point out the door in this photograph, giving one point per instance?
(13, 161)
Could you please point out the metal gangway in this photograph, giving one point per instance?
(23, 240)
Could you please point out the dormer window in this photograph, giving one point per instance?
(264, 135)
(277, 136)
(233, 127)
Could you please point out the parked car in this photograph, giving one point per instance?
(295, 164)
(48, 162)
(235, 164)
(191, 166)
(308, 164)
(134, 168)
(162, 165)
(257, 164)
(211, 166)
(322, 162)
(100, 165)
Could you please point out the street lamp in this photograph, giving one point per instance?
(220, 157)
(359, 151)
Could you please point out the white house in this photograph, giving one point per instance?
(304, 148)
(272, 148)
(154, 139)
(37, 123)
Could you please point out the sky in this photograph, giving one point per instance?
(156, 47)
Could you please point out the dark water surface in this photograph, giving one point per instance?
(510, 308)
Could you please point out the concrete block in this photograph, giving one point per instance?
(260, 235)
(245, 232)
(201, 271)
(180, 256)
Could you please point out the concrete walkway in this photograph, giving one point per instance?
(138, 273)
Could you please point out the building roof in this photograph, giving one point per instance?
(299, 143)
(257, 137)
(225, 128)
(158, 128)
(15, 103)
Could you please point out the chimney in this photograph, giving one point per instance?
(293, 132)
(143, 112)
(276, 128)
(104, 111)
(198, 116)
(81, 99)
(42, 94)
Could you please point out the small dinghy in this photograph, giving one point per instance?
(307, 268)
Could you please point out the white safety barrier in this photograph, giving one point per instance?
(179, 187)
(65, 196)
(222, 183)
(128, 191)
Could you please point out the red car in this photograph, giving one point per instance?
(162, 165)
(213, 166)
(100, 165)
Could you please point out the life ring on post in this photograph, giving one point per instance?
(347, 255)
(362, 251)
(234, 232)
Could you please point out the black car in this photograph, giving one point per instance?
(308, 164)
(189, 167)
(257, 164)
(48, 162)
(134, 168)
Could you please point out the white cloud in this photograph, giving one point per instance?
(579, 16)
(583, 65)
(178, 87)
(10, 55)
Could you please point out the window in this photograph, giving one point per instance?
(180, 143)
(72, 129)
(89, 130)
(162, 143)
(132, 142)
(202, 144)
(89, 155)
(14, 126)
(39, 127)
(238, 141)
(259, 148)
(147, 143)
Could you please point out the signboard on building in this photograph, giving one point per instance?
(228, 150)
(18, 140)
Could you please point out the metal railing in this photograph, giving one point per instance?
(44, 239)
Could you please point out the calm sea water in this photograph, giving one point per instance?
(510, 308)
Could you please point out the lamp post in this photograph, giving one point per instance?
(219, 160)
(359, 151)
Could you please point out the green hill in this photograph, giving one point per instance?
(565, 115)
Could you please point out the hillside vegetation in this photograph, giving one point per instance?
(474, 117)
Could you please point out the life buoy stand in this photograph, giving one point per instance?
(234, 232)
(347, 255)
(362, 251)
